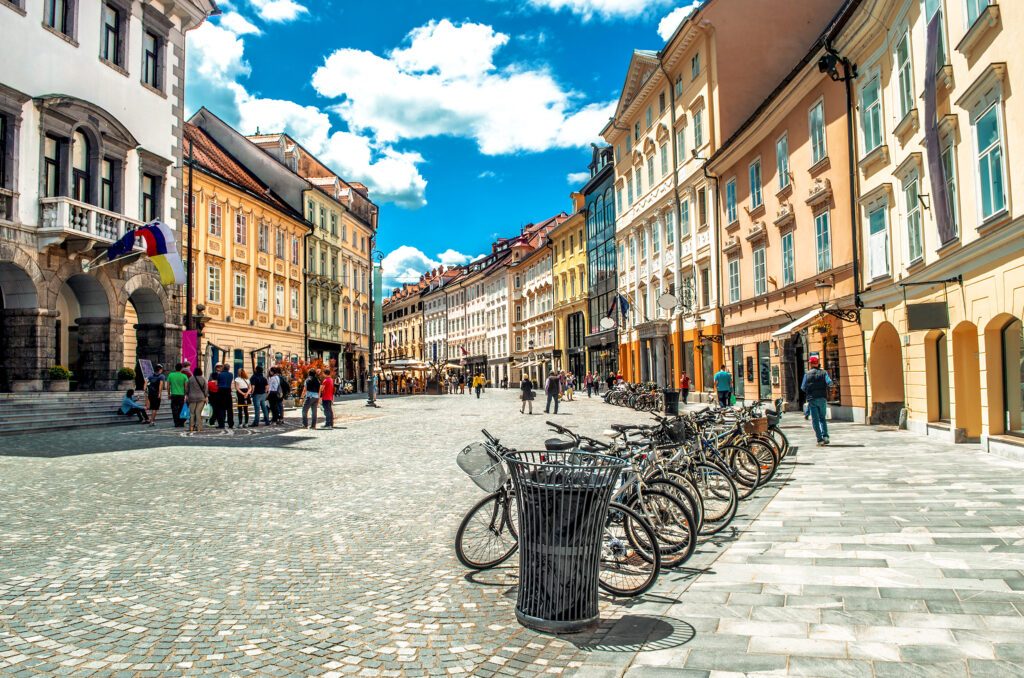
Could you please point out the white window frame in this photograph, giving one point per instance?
(684, 217)
(731, 213)
(760, 271)
(262, 295)
(913, 219)
(788, 258)
(992, 101)
(819, 151)
(880, 207)
(756, 189)
(698, 128)
(952, 181)
(904, 79)
(279, 299)
(823, 254)
(873, 114)
(213, 284)
(782, 160)
(734, 280)
(240, 290)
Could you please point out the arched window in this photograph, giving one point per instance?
(609, 208)
(599, 220)
(80, 179)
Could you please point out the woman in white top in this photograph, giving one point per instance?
(243, 396)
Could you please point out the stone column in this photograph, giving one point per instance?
(26, 347)
(100, 353)
(156, 342)
(659, 361)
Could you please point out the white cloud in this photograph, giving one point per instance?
(444, 82)
(668, 25)
(486, 174)
(604, 9)
(238, 24)
(405, 264)
(217, 64)
(576, 178)
(278, 10)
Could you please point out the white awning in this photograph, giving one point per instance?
(797, 324)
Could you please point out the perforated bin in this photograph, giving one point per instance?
(562, 498)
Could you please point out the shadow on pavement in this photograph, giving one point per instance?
(636, 632)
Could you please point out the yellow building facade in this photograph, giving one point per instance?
(569, 289)
(942, 223)
(247, 249)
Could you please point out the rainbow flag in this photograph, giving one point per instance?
(161, 248)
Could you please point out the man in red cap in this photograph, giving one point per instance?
(815, 386)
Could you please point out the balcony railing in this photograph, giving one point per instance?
(6, 205)
(63, 217)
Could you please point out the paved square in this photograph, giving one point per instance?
(136, 552)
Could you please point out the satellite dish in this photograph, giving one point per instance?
(667, 301)
(607, 323)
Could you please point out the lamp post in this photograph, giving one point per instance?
(698, 324)
(199, 320)
(378, 256)
(823, 289)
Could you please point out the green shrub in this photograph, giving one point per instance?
(60, 373)
(126, 374)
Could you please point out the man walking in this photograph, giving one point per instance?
(312, 388)
(225, 408)
(154, 390)
(327, 399)
(723, 384)
(588, 381)
(478, 384)
(274, 395)
(176, 382)
(684, 386)
(260, 385)
(815, 386)
(552, 391)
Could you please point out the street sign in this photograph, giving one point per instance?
(607, 323)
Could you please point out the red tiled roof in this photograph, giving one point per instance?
(210, 156)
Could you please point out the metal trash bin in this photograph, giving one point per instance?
(671, 402)
(562, 498)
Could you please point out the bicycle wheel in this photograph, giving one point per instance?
(780, 440)
(679, 486)
(672, 524)
(627, 567)
(717, 494)
(746, 470)
(487, 536)
(763, 447)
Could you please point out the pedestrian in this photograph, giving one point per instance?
(723, 384)
(478, 384)
(610, 380)
(815, 386)
(462, 383)
(327, 399)
(176, 381)
(211, 389)
(588, 381)
(551, 390)
(130, 407)
(274, 394)
(225, 407)
(526, 394)
(684, 385)
(311, 387)
(260, 386)
(154, 390)
(197, 392)
(243, 397)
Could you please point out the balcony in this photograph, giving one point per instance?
(67, 219)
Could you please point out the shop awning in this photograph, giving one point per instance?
(406, 364)
(797, 325)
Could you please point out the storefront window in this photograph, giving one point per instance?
(764, 370)
(737, 372)
(707, 359)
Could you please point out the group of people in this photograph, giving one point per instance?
(228, 394)
(397, 384)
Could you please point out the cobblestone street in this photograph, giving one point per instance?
(139, 552)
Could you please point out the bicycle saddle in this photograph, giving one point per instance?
(559, 444)
(622, 428)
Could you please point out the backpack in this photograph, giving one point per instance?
(154, 387)
(286, 387)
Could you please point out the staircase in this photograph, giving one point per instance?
(34, 412)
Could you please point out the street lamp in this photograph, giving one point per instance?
(378, 256)
(823, 289)
(698, 324)
(199, 320)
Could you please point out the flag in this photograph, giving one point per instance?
(464, 351)
(161, 248)
(623, 305)
(611, 308)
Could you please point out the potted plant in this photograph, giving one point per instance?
(125, 378)
(59, 378)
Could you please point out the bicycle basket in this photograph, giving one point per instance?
(759, 425)
(485, 468)
(677, 432)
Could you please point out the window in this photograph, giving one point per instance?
(756, 199)
(952, 198)
(698, 129)
(108, 178)
(684, 217)
(241, 227)
(80, 179)
(639, 182)
(664, 159)
(295, 303)
(632, 251)
(240, 290)
(263, 239)
(931, 8)
(215, 225)
(279, 244)
(905, 75)
(974, 10)
(730, 202)
(816, 122)
(323, 263)
(629, 189)
(702, 207)
(656, 236)
(295, 251)
(912, 205)
(788, 260)
(334, 224)
(705, 287)
(661, 103)
(262, 294)
(629, 144)
(52, 148)
(695, 66)
(650, 170)
(681, 145)
(618, 200)
(679, 86)
(871, 114)
(279, 299)
(58, 15)
(760, 272)
(151, 45)
(636, 131)
(643, 244)
(213, 284)
(110, 40)
(150, 197)
(734, 280)
(334, 267)
(649, 117)
(670, 227)
(988, 134)
(878, 243)
(782, 160)
(823, 242)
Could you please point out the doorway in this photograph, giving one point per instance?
(764, 371)
(737, 372)
(937, 369)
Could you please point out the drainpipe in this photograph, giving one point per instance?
(677, 232)
(719, 312)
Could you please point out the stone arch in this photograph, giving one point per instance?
(967, 379)
(85, 339)
(22, 324)
(1004, 369)
(936, 369)
(885, 370)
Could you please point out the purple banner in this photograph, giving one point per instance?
(190, 347)
(939, 201)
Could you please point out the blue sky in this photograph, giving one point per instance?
(465, 119)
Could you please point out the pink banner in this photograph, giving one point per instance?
(190, 347)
